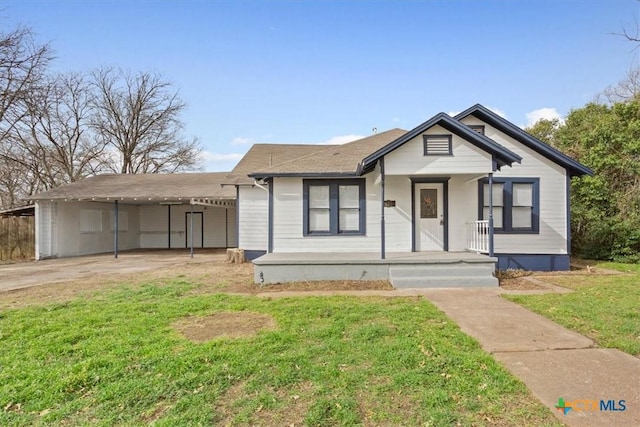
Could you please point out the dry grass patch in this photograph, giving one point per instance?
(224, 325)
(208, 277)
(243, 404)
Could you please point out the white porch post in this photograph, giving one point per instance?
(491, 214)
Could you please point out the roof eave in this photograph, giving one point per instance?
(264, 175)
(444, 120)
(573, 167)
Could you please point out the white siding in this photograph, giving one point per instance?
(553, 220)
(46, 223)
(410, 159)
(218, 226)
(70, 241)
(154, 224)
(288, 214)
(253, 214)
(398, 218)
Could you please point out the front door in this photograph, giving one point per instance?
(429, 217)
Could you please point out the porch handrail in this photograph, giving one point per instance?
(478, 236)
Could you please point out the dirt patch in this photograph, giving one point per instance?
(515, 280)
(224, 325)
(520, 284)
(281, 407)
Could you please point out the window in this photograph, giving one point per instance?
(334, 207)
(90, 220)
(437, 145)
(516, 204)
(477, 128)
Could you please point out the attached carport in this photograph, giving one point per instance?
(120, 212)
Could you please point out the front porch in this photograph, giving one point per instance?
(403, 269)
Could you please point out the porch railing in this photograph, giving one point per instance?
(478, 236)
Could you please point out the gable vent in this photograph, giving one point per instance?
(477, 128)
(437, 145)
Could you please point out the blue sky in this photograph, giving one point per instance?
(330, 71)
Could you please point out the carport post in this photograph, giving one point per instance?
(115, 232)
(169, 226)
(191, 231)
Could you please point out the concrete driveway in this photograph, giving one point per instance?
(34, 273)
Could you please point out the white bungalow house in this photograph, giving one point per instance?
(439, 205)
(443, 204)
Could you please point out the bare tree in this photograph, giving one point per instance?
(23, 63)
(138, 118)
(626, 89)
(55, 134)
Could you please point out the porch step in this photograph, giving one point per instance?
(454, 275)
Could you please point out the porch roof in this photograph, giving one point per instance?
(502, 155)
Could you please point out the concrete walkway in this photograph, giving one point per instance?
(551, 360)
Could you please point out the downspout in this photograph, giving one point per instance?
(382, 224)
(115, 233)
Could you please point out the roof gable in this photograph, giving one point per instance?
(502, 155)
(573, 167)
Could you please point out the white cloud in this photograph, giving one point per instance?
(498, 112)
(342, 139)
(396, 120)
(542, 113)
(211, 157)
(213, 161)
(242, 141)
(453, 113)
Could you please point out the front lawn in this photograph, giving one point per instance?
(117, 357)
(606, 308)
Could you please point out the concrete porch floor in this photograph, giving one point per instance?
(402, 269)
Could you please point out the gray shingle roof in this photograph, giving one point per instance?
(332, 159)
(264, 156)
(144, 186)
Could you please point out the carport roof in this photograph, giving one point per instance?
(144, 187)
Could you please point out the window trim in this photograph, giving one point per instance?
(425, 141)
(507, 204)
(334, 206)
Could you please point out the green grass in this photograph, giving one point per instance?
(115, 359)
(603, 307)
